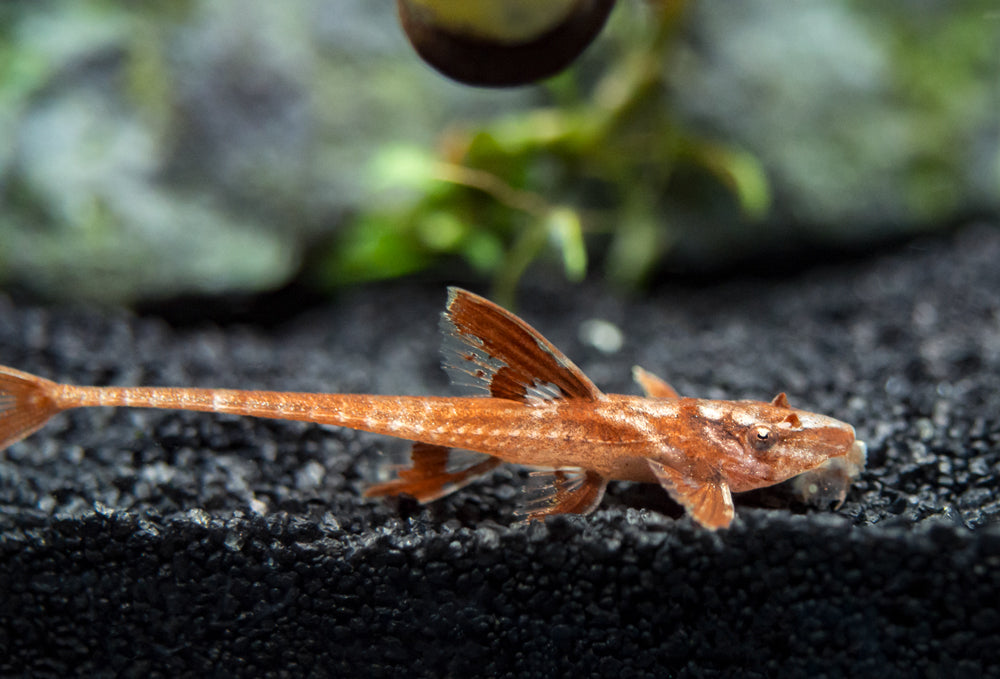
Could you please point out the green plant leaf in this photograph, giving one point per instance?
(566, 232)
(741, 172)
(402, 167)
(375, 247)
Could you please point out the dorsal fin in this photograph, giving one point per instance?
(490, 349)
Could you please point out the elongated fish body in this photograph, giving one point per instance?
(537, 409)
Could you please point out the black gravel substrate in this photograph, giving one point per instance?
(166, 544)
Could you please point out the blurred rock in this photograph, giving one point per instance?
(197, 146)
(201, 146)
(867, 119)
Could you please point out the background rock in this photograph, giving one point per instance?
(203, 147)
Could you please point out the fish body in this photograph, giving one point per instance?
(536, 409)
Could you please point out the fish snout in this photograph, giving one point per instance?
(837, 439)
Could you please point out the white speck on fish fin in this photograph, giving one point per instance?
(541, 393)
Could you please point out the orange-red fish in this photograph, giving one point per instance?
(539, 410)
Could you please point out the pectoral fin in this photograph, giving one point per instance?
(708, 501)
(652, 385)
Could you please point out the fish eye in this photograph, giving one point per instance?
(762, 438)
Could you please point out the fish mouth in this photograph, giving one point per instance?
(847, 466)
(828, 483)
(849, 463)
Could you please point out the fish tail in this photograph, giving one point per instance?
(26, 403)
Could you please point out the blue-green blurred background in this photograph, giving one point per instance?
(156, 149)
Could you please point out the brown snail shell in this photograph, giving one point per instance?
(494, 62)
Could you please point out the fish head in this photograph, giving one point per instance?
(773, 442)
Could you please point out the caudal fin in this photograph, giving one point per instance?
(26, 403)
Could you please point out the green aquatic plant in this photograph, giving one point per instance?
(596, 170)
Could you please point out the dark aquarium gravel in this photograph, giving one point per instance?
(169, 544)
